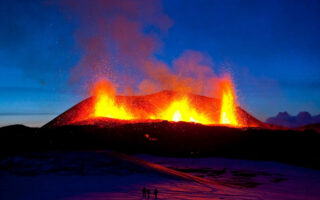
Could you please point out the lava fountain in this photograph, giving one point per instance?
(105, 105)
(183, 110)
(179, 108)
(228, 106)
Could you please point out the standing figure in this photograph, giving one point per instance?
(155, 193)
(148, 191)
(144, 191)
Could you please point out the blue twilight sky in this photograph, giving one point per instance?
(271, 47)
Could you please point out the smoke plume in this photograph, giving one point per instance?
(119, 40)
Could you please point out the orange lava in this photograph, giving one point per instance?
(228, 107)
(105, 105)
(179, 108)
(182, 110)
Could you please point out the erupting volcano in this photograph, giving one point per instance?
(106, 107)
(179, 108)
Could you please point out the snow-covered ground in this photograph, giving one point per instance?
(265, 180)
(96, 175)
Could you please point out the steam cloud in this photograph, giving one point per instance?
(119, 40)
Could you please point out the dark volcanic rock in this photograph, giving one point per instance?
(315, 127)
(169, 139)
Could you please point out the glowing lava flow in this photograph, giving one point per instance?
(182, 110)
(105, 105)
(178, 109)
(228, 107)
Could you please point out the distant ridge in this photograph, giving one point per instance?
(302, 119)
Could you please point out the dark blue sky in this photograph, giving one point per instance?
(272, 49)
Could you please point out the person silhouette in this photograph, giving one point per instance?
(155, 193)
(144, 191)
(148, 191)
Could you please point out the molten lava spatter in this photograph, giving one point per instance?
(228, 107)
(105, 105)
(182, 110)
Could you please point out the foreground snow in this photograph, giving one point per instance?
(96, 175)
(264, 180)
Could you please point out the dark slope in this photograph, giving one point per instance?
(315, 127)
(170, 139)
